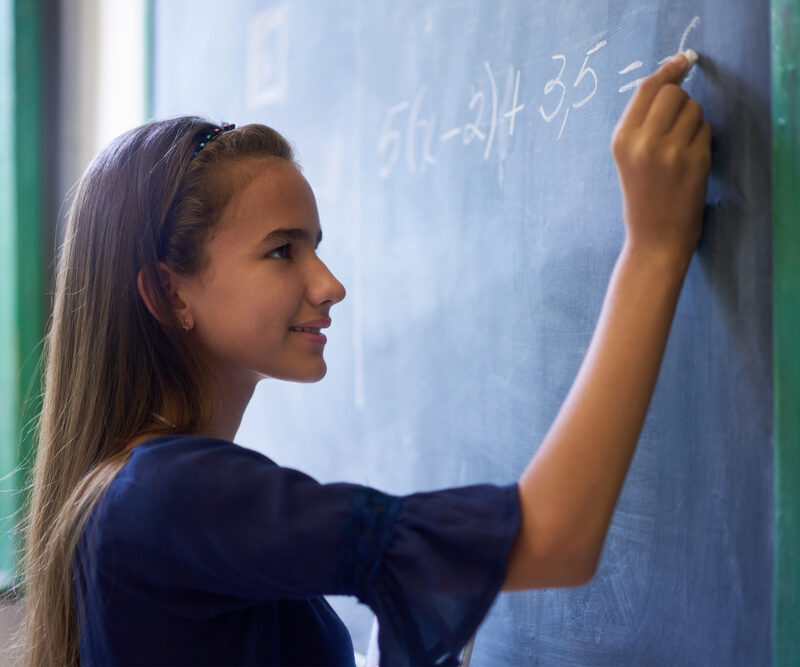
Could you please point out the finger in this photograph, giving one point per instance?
(702, 138)
(666, 108)
(671, 71)
(688, 122)
(701, 146)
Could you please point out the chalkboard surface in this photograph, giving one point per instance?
(459, 153)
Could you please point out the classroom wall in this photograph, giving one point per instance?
(101, 80)
(8, 354)
(10, 619)
(72, 78)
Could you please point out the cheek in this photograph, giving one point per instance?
(245, 308)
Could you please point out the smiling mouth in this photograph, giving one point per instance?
(314, 330)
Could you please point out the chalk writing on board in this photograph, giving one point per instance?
(562, 93)
(552, 83)
(515, 108)
(424, 124)
(684, 40)
(638, 63)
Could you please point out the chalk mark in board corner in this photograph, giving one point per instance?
(267, 71)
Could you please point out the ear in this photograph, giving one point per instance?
(147, 291)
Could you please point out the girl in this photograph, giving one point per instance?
(188, 273)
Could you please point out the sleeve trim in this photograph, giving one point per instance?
(365, 537)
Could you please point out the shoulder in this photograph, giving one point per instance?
(188, 502)
(178, 456)
(169, 475)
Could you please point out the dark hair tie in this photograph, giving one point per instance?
(208, 137)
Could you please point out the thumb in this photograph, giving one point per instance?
(678, 66)
(671, 71)
(684, 61)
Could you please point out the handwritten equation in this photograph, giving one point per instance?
(413, 136)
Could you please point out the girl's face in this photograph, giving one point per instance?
(260, 305)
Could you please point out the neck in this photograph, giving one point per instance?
(230, 397)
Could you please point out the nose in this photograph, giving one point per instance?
(324, 287)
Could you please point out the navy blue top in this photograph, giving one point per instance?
(203, 552)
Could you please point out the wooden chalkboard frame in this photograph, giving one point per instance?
(786, 327)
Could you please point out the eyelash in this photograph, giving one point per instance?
(282, 252)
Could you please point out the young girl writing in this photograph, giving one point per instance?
(188, 273)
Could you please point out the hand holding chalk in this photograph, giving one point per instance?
(662, 148)
(691, 57)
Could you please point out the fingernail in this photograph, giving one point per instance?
(690, 55)
(681, 58)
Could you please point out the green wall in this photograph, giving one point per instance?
(21, 266)
(8, 300)
(786, 326)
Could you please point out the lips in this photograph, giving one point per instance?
(311, 330)
(312, 326)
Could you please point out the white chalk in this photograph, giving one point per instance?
(692, 57)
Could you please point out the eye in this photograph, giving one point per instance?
(282, 252)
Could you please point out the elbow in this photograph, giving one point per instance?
(551, 552)
(584, 571)
(537, 564)
(571, 568)
(580, 550)
(568, 562)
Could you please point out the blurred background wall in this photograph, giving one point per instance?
(73, 75)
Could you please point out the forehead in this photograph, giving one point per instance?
(269, 193)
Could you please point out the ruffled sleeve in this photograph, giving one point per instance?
(201, 527)
(429, 565)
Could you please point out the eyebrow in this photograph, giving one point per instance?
(293, 234)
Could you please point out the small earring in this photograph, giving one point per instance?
(185, 324)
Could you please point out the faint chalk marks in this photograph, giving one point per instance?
(267, 73)
(633, 527)
(332, 166)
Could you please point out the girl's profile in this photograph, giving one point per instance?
(188, 273)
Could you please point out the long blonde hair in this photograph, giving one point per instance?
(109, 364)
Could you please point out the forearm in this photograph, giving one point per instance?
(570, 488)
(662, 149)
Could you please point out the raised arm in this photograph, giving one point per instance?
(568, 492)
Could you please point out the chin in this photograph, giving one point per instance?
(312, 375)
(315, 378)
